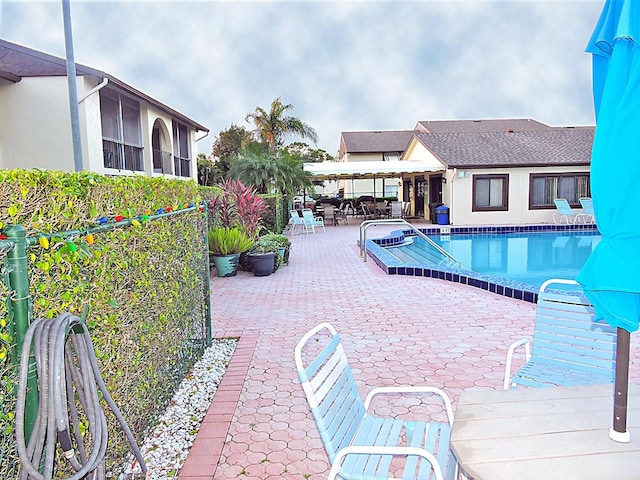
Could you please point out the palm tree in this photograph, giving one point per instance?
(273, 126)
(256, 166)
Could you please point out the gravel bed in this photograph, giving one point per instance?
(165, 451)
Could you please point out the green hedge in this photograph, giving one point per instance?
(144, 285)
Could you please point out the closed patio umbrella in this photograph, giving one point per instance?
(611, 275)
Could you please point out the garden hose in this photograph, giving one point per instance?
(67, 372)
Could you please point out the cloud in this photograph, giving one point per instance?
(350, 65)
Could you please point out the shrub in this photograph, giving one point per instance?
(238, 206)
(144, 285)
(228, 241)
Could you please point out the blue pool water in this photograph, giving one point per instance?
(528, 258)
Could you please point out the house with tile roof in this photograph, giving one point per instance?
(502, 171)
(123, 130)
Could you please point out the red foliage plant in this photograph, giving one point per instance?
(238, 206)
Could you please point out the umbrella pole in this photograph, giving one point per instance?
(619, 431)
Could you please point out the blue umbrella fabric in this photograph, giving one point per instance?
(611, 275)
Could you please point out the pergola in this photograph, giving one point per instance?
(367, 169)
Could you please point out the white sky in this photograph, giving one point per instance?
(350, 65)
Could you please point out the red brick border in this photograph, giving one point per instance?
(204, 455)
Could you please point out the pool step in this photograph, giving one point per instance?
(410, 254)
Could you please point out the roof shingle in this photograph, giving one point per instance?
(545, 147)
(377, 141)
(478, 126)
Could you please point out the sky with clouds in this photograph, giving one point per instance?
(344, 65)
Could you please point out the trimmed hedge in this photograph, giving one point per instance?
(144, 285)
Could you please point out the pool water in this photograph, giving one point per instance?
(529, 258)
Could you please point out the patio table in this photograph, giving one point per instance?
(550, 433)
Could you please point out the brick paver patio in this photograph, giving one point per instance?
(396, 330)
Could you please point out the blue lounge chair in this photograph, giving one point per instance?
(310, 221)
(587, 215)
(297, 220)
(564, 212)
(569, 348)
(359, 444)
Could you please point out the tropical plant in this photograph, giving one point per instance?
(272, 126)
(206, 170)
(308, 154)
(282, 171)
(228, 241)
(291, 177)
(255, 165)
(264, 246)
(283, 243)
(229, 142)
(238, 206)
(278, 238)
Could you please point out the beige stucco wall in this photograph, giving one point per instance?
(458, 190)
(35, 126)
(32, 136)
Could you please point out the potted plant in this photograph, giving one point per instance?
(225, 246)
(263, 257)
(284, 245)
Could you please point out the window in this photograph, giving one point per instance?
(181, 160)
(544, 189)
(490, 193)
(121, 139)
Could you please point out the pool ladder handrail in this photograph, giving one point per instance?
(399, 221)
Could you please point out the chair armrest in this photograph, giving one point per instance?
(510, 352)
(412, 389)
(372, 450)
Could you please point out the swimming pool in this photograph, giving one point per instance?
(511, 261)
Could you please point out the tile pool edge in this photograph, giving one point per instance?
(498, 285)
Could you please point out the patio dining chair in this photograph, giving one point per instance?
(311, 221)
(342, 212)
(569, 347)
(359, 444)
(330, 214)
(396, 209)
(367, 210)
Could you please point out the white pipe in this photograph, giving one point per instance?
(94, 90)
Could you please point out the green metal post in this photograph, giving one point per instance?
(207, 274)
(19, 317)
